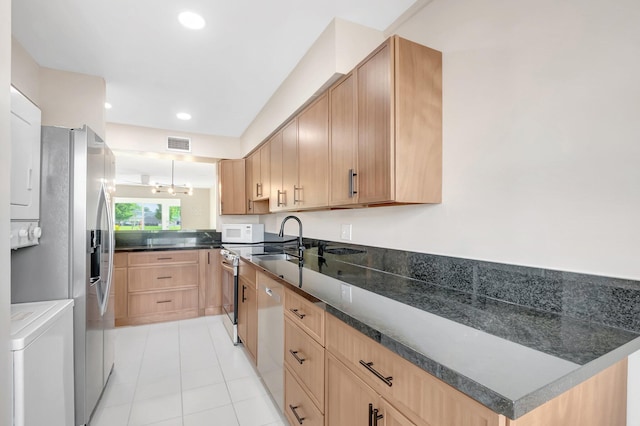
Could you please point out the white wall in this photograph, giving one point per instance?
(5, 264)
(125, 137)
(25, 72)
(71, 99)
(541, 142)
(541, 139)
(340, 46)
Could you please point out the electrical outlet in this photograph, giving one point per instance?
(345, 293)
(345, 232)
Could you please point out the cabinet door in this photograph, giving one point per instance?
(343, 143)
(25, 156)
(251, 305)
(289, 164)
(120, 281)
(232, 187)
(249, 182)
(275, 197)
(265, 170)
(297, 405)
(213, 285)
(242, 309)
(313, 155)
(375, 112)
(391, 416)
(347, 397)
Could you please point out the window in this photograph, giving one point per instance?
(147, 213)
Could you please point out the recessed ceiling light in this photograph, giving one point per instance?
(191, 20)
(107, 105)
(183, 116)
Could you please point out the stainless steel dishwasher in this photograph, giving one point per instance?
(271, 336)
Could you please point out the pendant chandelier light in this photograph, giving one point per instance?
(173, 189)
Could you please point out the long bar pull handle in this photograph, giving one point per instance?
(168, 277)
(164, 301)
(244, 287)
(296, 200)
(369, 366)
(352, 184)
(165, 258)
(296, 313)
(295, 355)
(258, 194)
(370, 414)
(376, 416)
(295, 413)
(279, 203)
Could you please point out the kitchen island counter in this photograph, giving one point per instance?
(510, 358)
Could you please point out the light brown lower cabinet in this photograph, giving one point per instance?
(417, 394)
(598, 401)
(155, 286)
(211, 282)
(298, 407)
(412, 396)
(351, 402)
(121, 288)
(248, 312)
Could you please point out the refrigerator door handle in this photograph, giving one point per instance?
(103, 203)
(112, 243)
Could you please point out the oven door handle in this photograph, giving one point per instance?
(229, 268)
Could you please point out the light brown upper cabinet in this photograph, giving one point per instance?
(300, 160)
(259, 168)
(343, 142)
(231, 179)
(258, 178)
(312, 190)
(284, 167)
(386, 128)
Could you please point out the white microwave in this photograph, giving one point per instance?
(242, 233)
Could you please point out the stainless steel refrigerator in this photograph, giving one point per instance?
(74, 259)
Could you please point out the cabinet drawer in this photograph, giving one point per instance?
(247, 273)
(296, 400)
(162, 301)
(120, 260)
(162, 277)
(305, 357)
(306, 314)
(416, 393)
(163, 257)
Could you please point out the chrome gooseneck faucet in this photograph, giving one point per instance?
(299, 241)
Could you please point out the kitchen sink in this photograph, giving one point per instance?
(273, 256)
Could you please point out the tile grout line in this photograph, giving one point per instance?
(226, 384)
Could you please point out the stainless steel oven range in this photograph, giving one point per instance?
(230, 264)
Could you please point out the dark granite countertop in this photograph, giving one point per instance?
(508, 357)
(168, 247)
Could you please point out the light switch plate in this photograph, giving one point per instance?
(345, 232)
(345, 293)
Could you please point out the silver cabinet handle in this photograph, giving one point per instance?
(296, 200)
(296, 313)
(352, 184)
(369, 366)
(295, 413)
(284, 194)
(295, 355)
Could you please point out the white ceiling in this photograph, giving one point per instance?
(222, 75)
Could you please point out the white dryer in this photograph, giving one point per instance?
(42, 349)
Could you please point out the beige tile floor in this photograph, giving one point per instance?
(183, 373)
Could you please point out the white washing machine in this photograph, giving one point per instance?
(42, 349)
